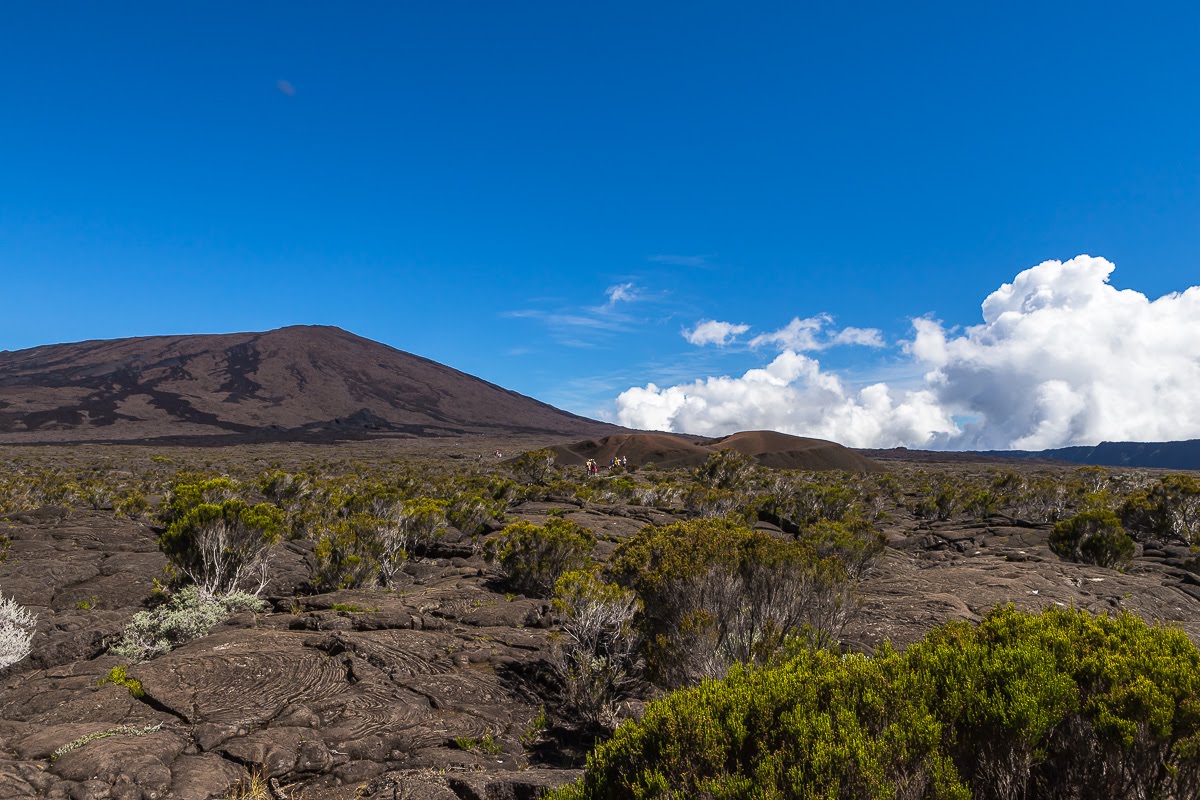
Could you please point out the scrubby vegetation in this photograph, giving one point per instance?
(119, 676)
(1055, 705)
(1168, 509)
(188, 615)
(1094, 537)
(533, 557)
(222, 548)
(716, 593)
(597, 654)
(736, 587)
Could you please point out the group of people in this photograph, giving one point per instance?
(593, 467)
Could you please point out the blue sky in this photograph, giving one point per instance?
(470, 181)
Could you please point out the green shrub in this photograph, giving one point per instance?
(192, 491)
(705, 501)
(1169, 509)
(854, 543)
(352, 608)
(347, 553)
(1093, 537)
(596, 652)
(119, 676)
(941, 500)
(981, 504)
(414, 528)
(817, 727)
(186, 616)
(715, 592)
(725, 469)
(222, 548)
(534, 557)
(535, 467)
(797, 503)
(469, 512)
(131, 504)
(364, 549)
(1041, 500)
(486, 744)
(1056, 705)
(1065, 704)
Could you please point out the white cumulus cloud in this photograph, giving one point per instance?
(711, 331)
(1061, 358)
(791, 394)
(805, 334)
(1064, 358)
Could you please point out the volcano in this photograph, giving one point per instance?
(294, 383)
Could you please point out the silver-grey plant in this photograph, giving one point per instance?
(16, 631)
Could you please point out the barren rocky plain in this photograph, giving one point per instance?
(440, 679)
(438, 686)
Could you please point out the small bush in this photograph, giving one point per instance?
(854, 543)
(535, 467)
(1093, 537)
(222, 548)
(119, 676)
(353, 608)
(187, 493)
(411, 530)
(16, 631)
(534, 557)
(710, 503)
(596, 653)
(797, 503)
(1041, 500)
(1169, 509)
(484, 744)
(131, 504)
(715, 593)
(187, 616)
(348, 552)
(728, 470)
(469, 512)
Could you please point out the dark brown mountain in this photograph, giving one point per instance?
(301, 382)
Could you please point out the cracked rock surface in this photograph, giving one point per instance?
(371, 694)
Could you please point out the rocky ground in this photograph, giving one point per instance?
(433, 690)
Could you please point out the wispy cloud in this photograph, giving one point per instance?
(704, 261)
(623, 293)
(598, 322)
(585, 326)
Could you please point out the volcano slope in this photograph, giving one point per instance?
(301, 383)
(438, 687)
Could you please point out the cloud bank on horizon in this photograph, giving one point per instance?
(1061, 358)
